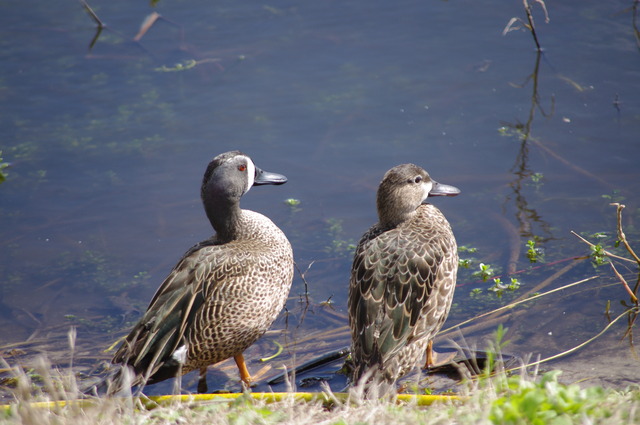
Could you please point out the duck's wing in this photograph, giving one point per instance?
(392, 279)
(152, 342)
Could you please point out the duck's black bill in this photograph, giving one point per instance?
(265, 177)
(440, 189)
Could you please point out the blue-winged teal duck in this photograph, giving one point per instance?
(402, 279)
(222, 295)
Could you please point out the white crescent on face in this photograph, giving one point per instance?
(426, 187)
(251, 173)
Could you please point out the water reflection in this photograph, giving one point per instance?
(98, 21)
(527, 215)
(634, 21)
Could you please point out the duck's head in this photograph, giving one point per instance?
(231, 174)
(403, 189)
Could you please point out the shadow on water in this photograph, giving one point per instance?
(101, 196)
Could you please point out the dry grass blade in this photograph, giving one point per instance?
(497, 316)
(512, 305)
(530, 24)
(544, 8)
(147, 23)
(634, 310)
(548, 281)
(511, 25)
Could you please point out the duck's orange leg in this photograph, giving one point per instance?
(242, 367)
(435, 359)
(431, 356)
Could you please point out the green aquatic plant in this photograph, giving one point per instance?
(338, 245)
(534, 254)
(498, 287)
(188, 64)
(614, 196)
(537, 178)
(294, 204)
(3, 166)
(598, 255)
(475, 292)
(468, 249)
(485, 272)
(464, 263)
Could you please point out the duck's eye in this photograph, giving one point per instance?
(242, 167)
(417, 179)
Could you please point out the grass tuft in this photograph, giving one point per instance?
(496, 396)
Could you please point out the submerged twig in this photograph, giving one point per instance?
(304, 280)
(569, 164)
(549, 280)
(514, 243)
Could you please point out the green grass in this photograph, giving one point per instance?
(494, 398)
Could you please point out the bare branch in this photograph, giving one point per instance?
(634, 299)
(621, 235)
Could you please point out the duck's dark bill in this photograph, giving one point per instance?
(265, 177)
(440, 189)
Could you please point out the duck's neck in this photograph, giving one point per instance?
(391, 214)
(224, 215)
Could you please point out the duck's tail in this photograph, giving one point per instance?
(118, 381)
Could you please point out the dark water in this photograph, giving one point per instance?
(107, 148)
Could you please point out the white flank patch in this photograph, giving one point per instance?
(251, 173)
(426, 186)
(180, 355)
